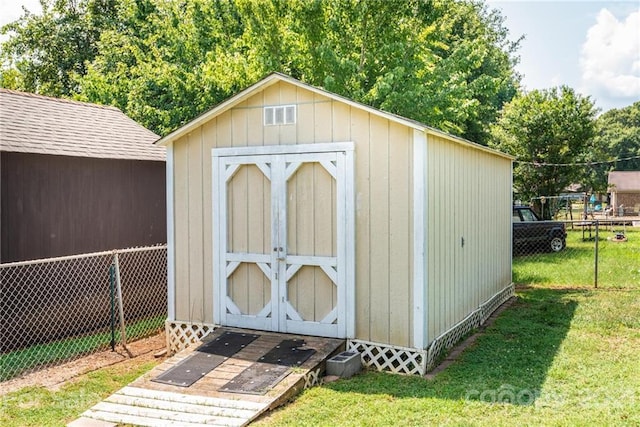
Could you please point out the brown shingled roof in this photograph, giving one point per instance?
(38, 124)
(623, 181)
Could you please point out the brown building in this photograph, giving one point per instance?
(625, 192)
(76, 178)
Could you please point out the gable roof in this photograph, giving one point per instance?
(39, 124)
(624, 181)
(275, 77)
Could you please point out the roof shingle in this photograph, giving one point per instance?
(623, 181)
(38, 124)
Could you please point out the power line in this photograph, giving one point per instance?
(576, 164)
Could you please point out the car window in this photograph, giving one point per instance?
(528, 215)
(516, 216)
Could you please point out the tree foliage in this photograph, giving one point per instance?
(616, 146)
(47, 52)
(618, 133)
(551, 134)
(446, 63)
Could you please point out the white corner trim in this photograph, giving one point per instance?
(171, 243)
(419, 240)
(350, 234)
(216, 275)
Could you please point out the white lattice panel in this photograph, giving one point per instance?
(181, 335)
(383, 357)
(490, 306)
(312, 378)
(447, 340)
(415, 361)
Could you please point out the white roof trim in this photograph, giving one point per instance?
(278, 77)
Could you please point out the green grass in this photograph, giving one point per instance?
(561, 355)
(558, 357)
(618, 263)
(19, 361)
(38, 406)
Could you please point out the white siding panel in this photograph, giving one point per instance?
(195, 226)
(379, 231)
(181, 212)
(468, 197)
(400, 236)
(208, 142)
(360, 133)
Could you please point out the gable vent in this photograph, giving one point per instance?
(280, 115)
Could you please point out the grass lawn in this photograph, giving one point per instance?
(618, 263)
(562, 354)
(38, 406)
(557, 356)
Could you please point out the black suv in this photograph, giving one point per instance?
(530, 233)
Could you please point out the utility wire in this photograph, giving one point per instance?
(576, 164)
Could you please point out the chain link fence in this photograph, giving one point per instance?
(599, 253)
(60, 309)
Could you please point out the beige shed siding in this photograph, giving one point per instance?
(468, 197)
(383, 176)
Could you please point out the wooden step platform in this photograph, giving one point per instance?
(148, 403)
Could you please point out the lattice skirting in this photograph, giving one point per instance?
(405, 360)
(386, 357)
(181, 335)
(312, 378)
(448, 339)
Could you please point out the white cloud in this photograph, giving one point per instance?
(610, 57)
(11, 10)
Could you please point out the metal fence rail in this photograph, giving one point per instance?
(597, 253)
(60, 309)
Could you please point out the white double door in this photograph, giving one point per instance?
(280, 250)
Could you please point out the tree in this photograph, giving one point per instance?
(616, 146)
(618, 132)
(46, 52)
(550, 132)
(448, 64)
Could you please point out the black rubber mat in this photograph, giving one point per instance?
(259, 378)
(227, 344)
(270, 369)
(288, 353)
(205, 359)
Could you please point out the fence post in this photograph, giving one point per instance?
(112, 310)
(595, 270)
(123, 331)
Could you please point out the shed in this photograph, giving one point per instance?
(624, 187)
(76, 178)
(296, 210)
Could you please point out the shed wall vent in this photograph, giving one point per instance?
(280, 115)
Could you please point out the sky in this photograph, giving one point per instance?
(592, 46)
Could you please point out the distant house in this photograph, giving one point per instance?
(624, 187)
(76, 178)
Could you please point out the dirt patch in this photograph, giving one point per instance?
(55, 376)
